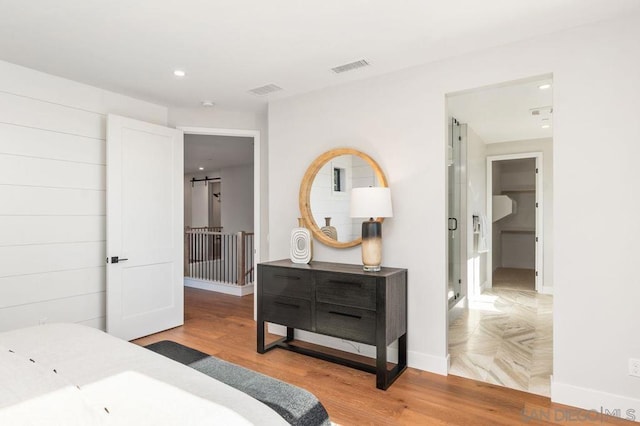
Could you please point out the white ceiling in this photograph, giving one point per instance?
(215, 152)
(228, 47)
(503, 113)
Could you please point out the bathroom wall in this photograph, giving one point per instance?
(476, 205)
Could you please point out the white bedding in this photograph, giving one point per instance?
(69, 374)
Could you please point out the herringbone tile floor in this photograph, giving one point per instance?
(505, 338)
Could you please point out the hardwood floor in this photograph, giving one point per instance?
(223, 326)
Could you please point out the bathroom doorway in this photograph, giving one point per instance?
(500, 205)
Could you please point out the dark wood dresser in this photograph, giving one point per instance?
(338, 300)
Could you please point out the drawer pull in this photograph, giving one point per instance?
(289, 305)
(356, 284)
(287, 277)
(346, 315)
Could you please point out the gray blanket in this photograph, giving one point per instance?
(296, 405)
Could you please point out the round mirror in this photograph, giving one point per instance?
(325, 194)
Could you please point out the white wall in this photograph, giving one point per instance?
(546, 147)
(52, 192)
(400, 120)
(236, 186)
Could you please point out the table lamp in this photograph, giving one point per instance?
(374, 203)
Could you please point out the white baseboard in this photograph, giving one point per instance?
(484, 286)
(597, 402)
(547, 289)
(430, 363)
(235, 290)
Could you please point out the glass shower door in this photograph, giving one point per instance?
(454, 171)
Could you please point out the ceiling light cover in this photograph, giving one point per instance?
(179, 73)
(544, 86)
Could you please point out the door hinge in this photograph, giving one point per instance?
(536, 205)
(459, 138)
(536, 273)
(536, 170)
(459, 281)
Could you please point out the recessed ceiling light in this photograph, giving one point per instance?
(207, 104)
(544, 86)
(179, 73)
(546, 126)
(200, 168)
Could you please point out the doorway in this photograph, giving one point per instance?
(500, 316)
(515, 206)
(225, 251)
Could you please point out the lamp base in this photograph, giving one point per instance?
(371, 245)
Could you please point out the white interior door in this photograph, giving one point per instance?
(144, 228)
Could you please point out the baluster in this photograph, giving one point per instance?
(240, 267)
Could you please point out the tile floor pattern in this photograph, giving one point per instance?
(505, 338)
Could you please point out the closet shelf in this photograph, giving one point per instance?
(518, 231)
(503, 206)
(518, 189)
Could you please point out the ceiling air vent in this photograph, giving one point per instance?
(545, 110)
(350, 67)
(265, 90)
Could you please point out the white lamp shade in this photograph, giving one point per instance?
(371, 202)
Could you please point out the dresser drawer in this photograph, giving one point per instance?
(287, 311)
(346, 290)
(286, 281)
(347, 323)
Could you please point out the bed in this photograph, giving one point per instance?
(70, 374)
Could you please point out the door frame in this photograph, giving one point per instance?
(539, 232)
(255, 134)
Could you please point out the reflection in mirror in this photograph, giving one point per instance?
(331, 194)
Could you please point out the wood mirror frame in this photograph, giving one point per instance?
(305, 193)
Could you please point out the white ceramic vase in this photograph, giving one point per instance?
(301, 244)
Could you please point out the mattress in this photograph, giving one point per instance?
(71, 374)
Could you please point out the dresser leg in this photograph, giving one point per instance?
(384, 377)
(402, 352)
(260, 335)
(381, 367)
(262, 347)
